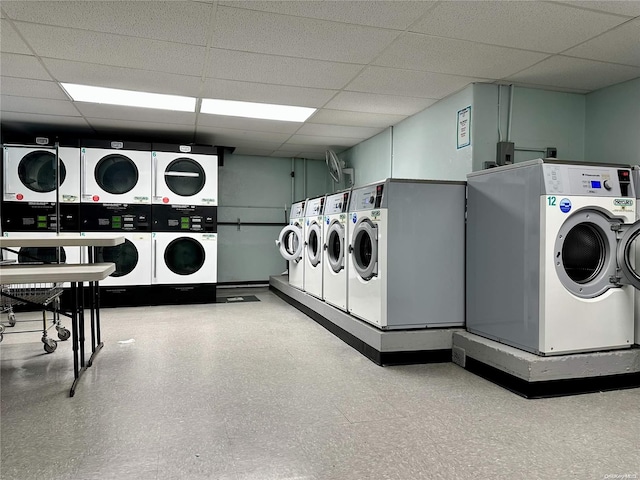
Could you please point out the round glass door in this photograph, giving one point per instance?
(116, 174)
(335, 246)
(628, 255)
(290, 242)
(314, 252)
(185, 177)
(41, 255)
(584, 253)
(125, 257)
(365, 249)
(37, 171)
(184, 256)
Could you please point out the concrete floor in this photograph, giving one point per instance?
(260, 391)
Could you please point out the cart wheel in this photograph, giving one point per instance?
(63, 334)
(50, 346)
(12, 319)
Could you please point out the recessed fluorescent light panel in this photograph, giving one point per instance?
(129, 98)
(264, 111)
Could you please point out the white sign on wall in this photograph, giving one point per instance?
(464, 127)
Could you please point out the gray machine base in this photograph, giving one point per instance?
(382, 347)
(533, 376)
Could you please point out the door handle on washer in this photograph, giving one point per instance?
(324, 247)
(350, 249)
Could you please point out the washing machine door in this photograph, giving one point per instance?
(184, 256)
(116, 174)
(364, 249)
(314, 248)
(335, 246)
(37, 171)
(125, 256)
(184, 177)
(628, 254)
(290, 242)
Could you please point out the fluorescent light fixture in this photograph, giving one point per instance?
(129, 98)
(265, 111)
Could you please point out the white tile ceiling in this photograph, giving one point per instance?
(364, 64)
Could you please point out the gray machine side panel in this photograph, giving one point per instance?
(425, 251)
(503, 256)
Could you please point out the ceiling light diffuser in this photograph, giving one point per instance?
(264, 111)
(129, 98)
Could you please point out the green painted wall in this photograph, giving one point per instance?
(371, 159)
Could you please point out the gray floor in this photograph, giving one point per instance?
(260, 391)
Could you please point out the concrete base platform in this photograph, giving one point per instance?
(533, 376)
(394, 347)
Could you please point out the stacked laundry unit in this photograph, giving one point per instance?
(116, 198)
(184, 245)
(29, 201)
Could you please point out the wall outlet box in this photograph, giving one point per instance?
(505, 152)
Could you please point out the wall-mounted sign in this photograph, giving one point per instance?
(464, 127)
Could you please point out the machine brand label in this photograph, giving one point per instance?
(141, 199)
(623, 202)
(209, 200)
(69, 198)
(375, 214)
(565, 205)
(343, 217)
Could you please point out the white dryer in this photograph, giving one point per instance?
(30, 174)
(184, 258)
(290, 242)
(313, 242)
(334, 255)
(550, 267)
(115, 172)
(406, 254)
(184, 174)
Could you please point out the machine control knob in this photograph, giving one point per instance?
(606, 185)
(371, 199)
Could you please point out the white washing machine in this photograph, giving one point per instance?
(184, 174)
(550, 265)
(115, 172)
(334, 254)
(30, 174)
(636, 182)
(406, 254)
(184, 258)
(132, 259)
(312, 255)
(291, 244)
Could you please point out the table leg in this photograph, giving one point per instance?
(74, 336)
(81, 323)
(96, 341)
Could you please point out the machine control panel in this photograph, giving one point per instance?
(39, 216)
(366, 198)
(337, 203)
(116, 217)
(297, 210)
(185, 218)
(315, 207)
(587, 180)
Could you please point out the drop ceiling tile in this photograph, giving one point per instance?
(389, 81)
(568, 72)
(45, 106)
(459, 57)
(544, 87)
(121, 77)
(256, 152)
(620, 45)
(258, 68)
(182, 22)
(262, 32)
(328, 141)
(266, 93)
(53, 121)
(628, 8)
(114, 50)
(10, 41)
(359, 119)
(253, 124)
(150, 115)
(25, 87)
(23, 66)
(274, 139)
(213, 138)
(294, 148)
(338, 131)
(385, 104)
(122, 127)
(385, 14)
(540, 26)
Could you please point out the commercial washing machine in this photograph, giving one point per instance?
(406, 253)
(550, 265)
(290, 242)
(313, 242)
(334, 254)
(636, 182)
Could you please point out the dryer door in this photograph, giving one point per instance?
(116, 174)
(335, 246)
(314, 248)
(37, 171)
(184, 256)
(365, 249)
(290, 242)
(125, 256)
(184, 177)
(628, 254)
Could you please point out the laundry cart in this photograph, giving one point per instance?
(43, 295)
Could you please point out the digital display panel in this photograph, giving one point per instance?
(596, 184)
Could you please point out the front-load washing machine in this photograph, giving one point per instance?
(406, 253)
(290, 242)
(334, 255)
(636, 182)
(184, 174)
(550, 265)
(312, 254)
